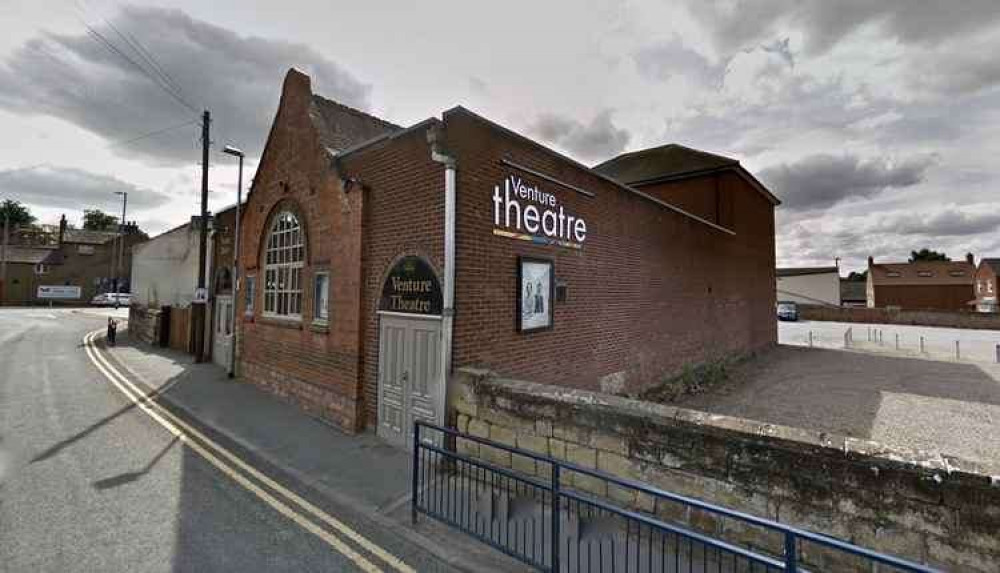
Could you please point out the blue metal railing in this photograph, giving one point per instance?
(543, 512)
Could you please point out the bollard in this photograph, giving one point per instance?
(921, 344)
(869, 334)
(958, 355)
(810, 339)
(897, 341)
(998, 353)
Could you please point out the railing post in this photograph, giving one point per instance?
(555, 517)
(416, 473)
(791, 556)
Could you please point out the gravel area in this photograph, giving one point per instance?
(947, 407)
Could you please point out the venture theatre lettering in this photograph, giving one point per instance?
(411, 287)
(543, 220)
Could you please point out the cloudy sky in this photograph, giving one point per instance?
(874, 122)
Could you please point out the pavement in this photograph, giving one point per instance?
(943, 406)
(92, 479)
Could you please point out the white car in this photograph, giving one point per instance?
(112, 299)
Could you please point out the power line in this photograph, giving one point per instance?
(146, 56)
(152, 133)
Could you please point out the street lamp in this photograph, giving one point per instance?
(121, 246)
(229, 150)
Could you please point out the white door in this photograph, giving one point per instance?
(410, 384)
(222, 336)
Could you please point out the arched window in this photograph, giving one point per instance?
(283, 261)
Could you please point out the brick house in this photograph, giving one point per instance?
(561, 274)
(986, 285)
(921, 285)
(69, 257)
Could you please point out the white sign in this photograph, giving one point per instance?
(540, 218)
(59, 292)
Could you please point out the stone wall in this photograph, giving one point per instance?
(945, 318)
(144, 324)
(931, 509)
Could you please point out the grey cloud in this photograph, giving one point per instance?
(664, 60)
(74, 189)
(600, 139)
(947, 222)
(820, 181)
(736, 25)
(238, 78)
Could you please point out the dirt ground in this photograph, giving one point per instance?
(952, 408)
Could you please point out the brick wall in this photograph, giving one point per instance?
(650, 291)
(918, 297)
(943, 318)
(315, 366)
(943, 512)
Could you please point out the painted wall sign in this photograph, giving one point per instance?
(59, 292)
(525, 212)
(411, 287)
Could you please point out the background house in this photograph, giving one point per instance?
(939, 285)
(986, 285)
(852, 293)
(809, 285)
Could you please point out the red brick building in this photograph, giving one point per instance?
(986, 285)
(921, 285)
(378, 257)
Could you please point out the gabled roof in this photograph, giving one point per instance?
(88, 237)
(993, 264)
(799, 271)
(670, 162)
(658, 162)
(922, 273)
(29, 255)
(341, 127)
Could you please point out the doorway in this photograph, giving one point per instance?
(222, 339)
(410, 381)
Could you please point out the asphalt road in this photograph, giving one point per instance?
(89, 482)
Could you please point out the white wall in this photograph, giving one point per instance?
(165, 269)
(810, 289)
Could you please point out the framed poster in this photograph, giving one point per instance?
(534, 301)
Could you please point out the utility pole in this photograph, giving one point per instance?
(199, 308)
(121, 247)
(3, 258)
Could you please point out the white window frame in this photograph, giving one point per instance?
(323, 291)
(284, 261)
(250, 294)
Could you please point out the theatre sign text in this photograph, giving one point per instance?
(525, 212)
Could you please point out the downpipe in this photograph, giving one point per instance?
(448, 296)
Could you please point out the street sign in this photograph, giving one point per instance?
(59, 292)
(200, 296)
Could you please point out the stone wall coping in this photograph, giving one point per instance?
(934, 465)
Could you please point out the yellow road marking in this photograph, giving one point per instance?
(185, 432)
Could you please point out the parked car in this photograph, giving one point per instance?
(788, 311)
(112, 299)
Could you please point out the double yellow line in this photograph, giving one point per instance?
(283, 500)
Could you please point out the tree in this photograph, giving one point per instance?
(926, 254)
(19, 215)
(97, 220)
(858, 277)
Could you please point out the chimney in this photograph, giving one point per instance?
(871, 260)
(62, 229)
(970, 258)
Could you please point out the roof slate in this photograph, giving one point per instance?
(341, 127)
(798, 271)
(29, 255)
(992, 263)
(88, 237)
(909, 273)
(658, 162)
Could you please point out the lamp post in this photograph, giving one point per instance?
(236, 257)
(120, 255)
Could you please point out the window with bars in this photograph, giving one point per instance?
(284, 258)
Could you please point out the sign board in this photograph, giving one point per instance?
(59, 292)
(200, 296)
(411, 287)
(525, 212)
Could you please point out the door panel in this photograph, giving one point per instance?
(223, 333)
(409, 379)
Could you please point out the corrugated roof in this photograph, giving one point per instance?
(30, 255)
(922, 273)
(341, 127)
(659, 162)
(798, 271)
